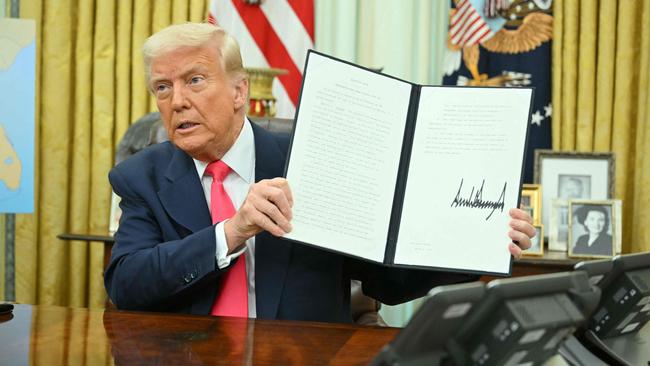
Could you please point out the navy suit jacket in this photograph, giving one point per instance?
(164, 253)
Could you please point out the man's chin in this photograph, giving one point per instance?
(192, 148)
(197, 150)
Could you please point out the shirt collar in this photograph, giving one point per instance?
(240, 157)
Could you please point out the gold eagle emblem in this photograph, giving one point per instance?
(535, 29)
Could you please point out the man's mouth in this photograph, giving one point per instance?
(186, 125)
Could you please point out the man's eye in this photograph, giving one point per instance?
(161, 88)
(196, 79)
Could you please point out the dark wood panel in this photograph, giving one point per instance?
(56, 335)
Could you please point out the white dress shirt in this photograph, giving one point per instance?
(241, 160)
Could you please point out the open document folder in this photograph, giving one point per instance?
(405, 174)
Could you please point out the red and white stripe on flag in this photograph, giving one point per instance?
(467, 27)
(275, 33)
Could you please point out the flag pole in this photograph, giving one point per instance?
(10, 219)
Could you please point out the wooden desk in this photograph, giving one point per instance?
(57, 336)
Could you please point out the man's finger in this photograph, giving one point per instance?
(518, 214)
(279, 198)
(515, 250)
(522, 240)
(282, 184)
(273, 212)
(265, 223)
(523, 227)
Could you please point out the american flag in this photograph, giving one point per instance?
(467, 27)
(271, 33)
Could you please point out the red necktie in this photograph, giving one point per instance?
(232, 299)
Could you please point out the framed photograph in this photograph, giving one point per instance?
(617, 219)
(558, 228)
(591, 228)
(531, 202)
(573, 175)
(537, 247)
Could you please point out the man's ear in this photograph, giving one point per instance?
(241, 93)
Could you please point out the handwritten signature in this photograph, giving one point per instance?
(476, 200)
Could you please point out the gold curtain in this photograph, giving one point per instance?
(90, 87)
(601, 93)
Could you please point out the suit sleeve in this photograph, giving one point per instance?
(146, 273)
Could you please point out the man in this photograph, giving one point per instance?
(572, 187)
(171, 255)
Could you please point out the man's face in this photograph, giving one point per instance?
(201, 107)
(595, 222)
(572, 189)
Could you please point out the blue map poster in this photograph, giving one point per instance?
(17, 84)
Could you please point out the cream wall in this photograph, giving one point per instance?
(406, 38)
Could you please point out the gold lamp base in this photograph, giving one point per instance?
(261, 99)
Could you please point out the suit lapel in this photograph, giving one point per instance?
(271, 255)
(183, 197)
(184, 201)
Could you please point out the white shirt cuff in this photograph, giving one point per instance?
(223, 259)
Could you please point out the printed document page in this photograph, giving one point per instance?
(464, 176)
(345, 155)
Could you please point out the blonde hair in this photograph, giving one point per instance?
(194, 35)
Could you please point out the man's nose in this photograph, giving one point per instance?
(179, 98)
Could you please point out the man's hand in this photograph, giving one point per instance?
(266, 207)
(522, 230)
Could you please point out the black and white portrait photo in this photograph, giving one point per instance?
(572, 186)
(591, 230)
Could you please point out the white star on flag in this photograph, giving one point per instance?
(548, 110)
(537, 118)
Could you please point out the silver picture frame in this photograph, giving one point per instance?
(572, 175)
